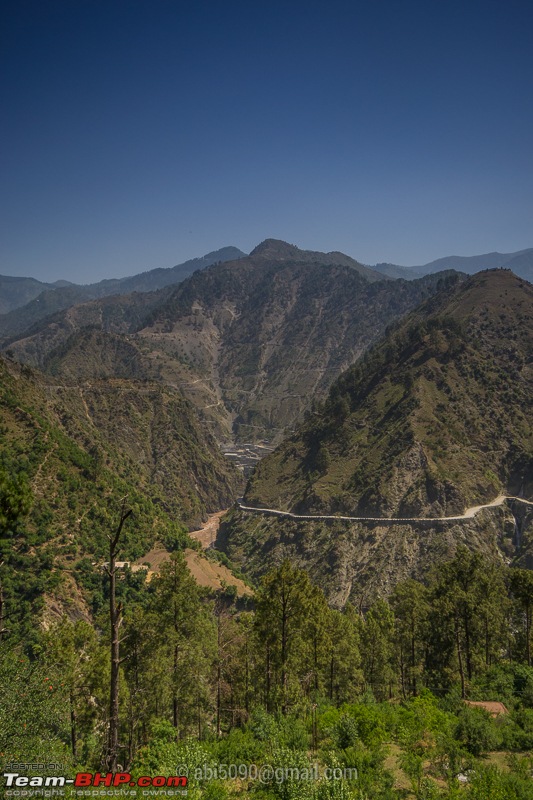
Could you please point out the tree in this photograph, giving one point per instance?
(72, 652)
(343, 672)
(467, 619)
(410, 605)
(376, 648)
(282, 610)
(184, 639)
(522, 590)
(232, 662)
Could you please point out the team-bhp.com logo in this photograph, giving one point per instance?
(86, 779)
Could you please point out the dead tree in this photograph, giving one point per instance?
(2, 607)
(116, 619)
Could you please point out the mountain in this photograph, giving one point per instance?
(81, 452)
(415, 427)
(80, 444)
(46, 341)
(277, 250)
(159, 278)
(25, 302)
(15, 292)
(521, 263)
(250, 342)
(432, 420)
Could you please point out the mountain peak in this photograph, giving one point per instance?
(276, 248)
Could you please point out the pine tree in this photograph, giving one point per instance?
(282, 611)
(410, 605)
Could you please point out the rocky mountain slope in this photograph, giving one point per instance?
(250, 342)
(357, 562)
(435, 418)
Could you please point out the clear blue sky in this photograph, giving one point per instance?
(140, 133)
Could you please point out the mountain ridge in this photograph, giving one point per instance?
(250, 342)
(520, 262)
(35, 300)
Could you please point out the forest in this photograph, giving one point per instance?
(167, 675)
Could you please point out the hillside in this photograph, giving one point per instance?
(79, 444)
(250, 342)
(77, 451)
(434, 419)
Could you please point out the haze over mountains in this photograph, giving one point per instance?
(521, 263)
(18, 292)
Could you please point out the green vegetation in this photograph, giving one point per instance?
(68, 455)
(291, 689)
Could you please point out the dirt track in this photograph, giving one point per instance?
(207, 534)
(468, 514)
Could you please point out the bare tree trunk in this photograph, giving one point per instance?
(267, 692)
(73, 735)
(413, 660)
(460, 660)
(528, 634)
(246, 679)
(115, 616)
(284, 657)
(219, 673)
(175, 703)
(402, 672)
(2, 611)
(468, 648)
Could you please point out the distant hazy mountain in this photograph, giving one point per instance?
(394, 271)
(25, 301)
(521, 263)
(159, 278)
(15, 292)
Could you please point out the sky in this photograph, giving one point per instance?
(140, 133)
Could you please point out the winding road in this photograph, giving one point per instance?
(468, 514)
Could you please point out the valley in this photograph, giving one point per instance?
(328, 477)
(266, 401)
